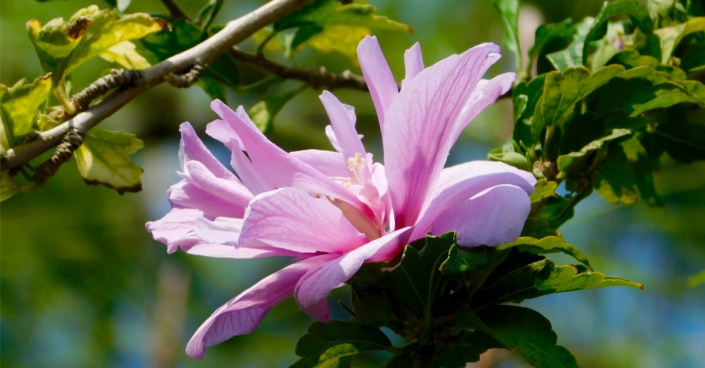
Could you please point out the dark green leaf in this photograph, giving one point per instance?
(509, 10)
(334, 343)
(466, 349)
(528, 333)
(263, 112)
(542, 278)
(544, 189)
(572, 56)
(682, 134)
(546, 245)
(576, 161)
(550, 38)
(460, 261)
(467, 319)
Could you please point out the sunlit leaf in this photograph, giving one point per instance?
(528, 333)
(20, 105)
(546, 245)
(672, 36)
(550, 38)
(544, 277)
(103, 159)
(574, 161)
(125, 53)
(8, 186)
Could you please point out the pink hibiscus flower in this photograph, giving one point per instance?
(335, 210)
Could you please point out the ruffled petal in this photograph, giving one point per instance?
(419, 129)
(413, 63)
(277, 167)
(494, 216)
(242, 314)
(315, 286)
(458, 183)
(192, 148)
(291, 219)
(178, 229)
(378, 76)
(331, 164)
(343, 125)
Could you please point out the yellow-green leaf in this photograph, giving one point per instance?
(341, 38)
(8, 186)
(672, 36)
(103, 159)
(20, 105)
(125, 53)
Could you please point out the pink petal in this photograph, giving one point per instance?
(291, 219)
(188, 195)
(378, 76)
(413, 63)
(193, 149)
(331, 164)
(315, 286)
(253, 178)
(230, 191)
(242, 314)
(179, 229)
(276, 166)
(494, 216)
(485, 94)
(458, 183)
(343, 125)
(419, 130)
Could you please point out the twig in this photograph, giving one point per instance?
(233, 33)
(174, 10)
(316, 77)
(187, 79)
(116, 78)
(71, 141)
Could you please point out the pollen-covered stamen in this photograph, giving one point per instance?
(358, 219)
(359, 174)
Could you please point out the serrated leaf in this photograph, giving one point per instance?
(327, 25)
(626, 175)
(509, 10)
(671, 36)
(103, 159)
(546, 245)
(572, 56)
(550, 37)
(64, 46)
(543, 277)
(637, 12)
(332, 344)
(528, 333)
(575, 161)
(686, 91)
(20, 105)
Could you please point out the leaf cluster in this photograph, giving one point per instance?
(611, 95)
(450, 304)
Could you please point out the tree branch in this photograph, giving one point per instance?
(174, 10)
(202, 54)
(315, 77)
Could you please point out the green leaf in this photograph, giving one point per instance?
(465, 349)
(510, 158)
(572, 56)
(576, 161)
(626, 174)
(9, 186)
(328, 25)
(103, 159)
(467, 319)
(263, 112)
(549, 38)
(370, 304)
(671, 36)
(459, 262)
(19, 106)
(682, 136)
(543, 277)
(64, 46)
(544, 189)
(509, 10)
(528, 333)
(416, 281)
(125, 54)
(334, 343)
(636, 11)
(546, 245)
(526, 96)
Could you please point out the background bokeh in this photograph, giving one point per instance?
(83, 284)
